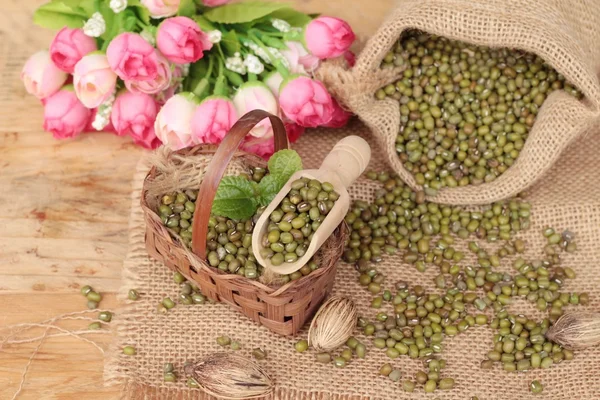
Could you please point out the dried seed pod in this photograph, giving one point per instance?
(333, 324)
(230, 376)
(576, 330)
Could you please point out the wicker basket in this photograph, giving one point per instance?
(283, 310)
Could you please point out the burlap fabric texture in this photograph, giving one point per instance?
(565, 33)
(568, 197)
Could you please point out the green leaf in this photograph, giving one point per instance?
(230, 42)
(238, 13)
(268, 188)
(187, 8)
(88, 6)
(236, 198)
(293, 17)
(56, 15)
(113, 22)
(203, 23)
(284, 164)
(140, 10)
(72, 4)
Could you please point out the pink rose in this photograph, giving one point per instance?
(64, 115)
(41, 77)
(174, 85)
(181, 40)
(300, 60)
(274, 81)
(173, 125)
(161, 81)
(93, 79)
(214, 3)
(161, 8)
(133, 114)
(350, 58)
(213, 119)
(294, 131)
(340, 116)
(328, 37)
(263, 147)
(256, 96)
(69, 46)
(132, 58)
(306, 102)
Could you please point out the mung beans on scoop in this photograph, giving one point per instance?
(465, 111)
(228, 242)
(293, 223)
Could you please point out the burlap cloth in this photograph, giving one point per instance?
(568, 197)
(565, 33)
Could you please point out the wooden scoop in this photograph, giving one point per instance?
(342, 166)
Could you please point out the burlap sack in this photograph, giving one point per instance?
(568, 198)
(565, 33)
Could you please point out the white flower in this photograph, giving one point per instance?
(185, 70)
(277, 54)
(103, 112)
(95, 26)
(215, 36)
(118, 5)
(236, 64)
(253, 64)
(281, 25)
(148, 36)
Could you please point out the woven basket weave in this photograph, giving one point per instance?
(283, 310)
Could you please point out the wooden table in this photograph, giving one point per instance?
(64, 208)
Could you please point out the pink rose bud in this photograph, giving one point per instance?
(69, 46)
(263, 147)
(132, 58)
(161, 81)
(161, 8)
(41, 77)
(340, 116)
(328, 37)
(306, 102)
(294, 131)
(133, 114)
(300, 60)
(64, 115)
(173, 125)
(256, 96)
(350, 58)
(181, 40)
(214, 3)
(274, 81)
(93, 79)
(213, 119)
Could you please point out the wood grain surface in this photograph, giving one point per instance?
(64, 208)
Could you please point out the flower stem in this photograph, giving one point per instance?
(274, 60)
(221, 88)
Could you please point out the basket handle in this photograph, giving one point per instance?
(218, 164)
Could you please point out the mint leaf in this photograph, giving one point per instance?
(56, 15)
(284, 164)
(187, 8)
(231, 43)
(236, 198)
(268, 188)
(238, 13)
(293, 17)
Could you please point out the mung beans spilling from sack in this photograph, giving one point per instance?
(465, 111)
(293, 223)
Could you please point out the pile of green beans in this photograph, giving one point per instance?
(465, 111)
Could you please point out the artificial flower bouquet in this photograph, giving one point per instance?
(182, 72)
